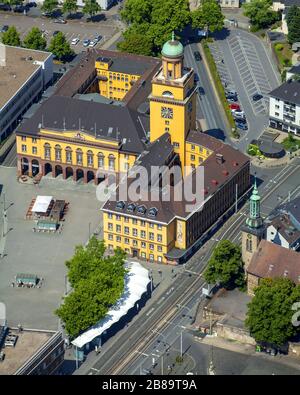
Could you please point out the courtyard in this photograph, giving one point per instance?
(41, 254)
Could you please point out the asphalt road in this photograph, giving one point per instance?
(125, 353)
(207, 106)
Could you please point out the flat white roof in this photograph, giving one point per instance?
(41, 204)
(136, 282)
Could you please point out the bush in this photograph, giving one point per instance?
(253, 150)
(254, 28)
(279, 46)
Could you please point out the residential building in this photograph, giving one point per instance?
(104, 4)
(283, 225)
(272, 261)
(284, 108)
(24, 74)
(229, 3)
(293, 72)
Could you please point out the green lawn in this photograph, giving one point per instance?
(290, 143)
(284, 54)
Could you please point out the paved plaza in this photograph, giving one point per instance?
(42, 254)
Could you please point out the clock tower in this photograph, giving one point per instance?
(254, 229)
(173, 99)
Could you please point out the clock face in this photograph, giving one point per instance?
(167, 112)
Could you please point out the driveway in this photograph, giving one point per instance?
(248, 69)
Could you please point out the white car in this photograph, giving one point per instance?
(75, 41)
(238, 113)
(92, 43)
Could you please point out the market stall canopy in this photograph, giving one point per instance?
(41, 204)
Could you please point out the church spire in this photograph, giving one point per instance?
(254, 220)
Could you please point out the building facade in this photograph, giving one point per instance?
(24, 75)
(284, 108)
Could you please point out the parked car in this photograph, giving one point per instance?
(197, 55)
(93, 43)
(234, 106)
(97, 38)
(86, 42)
(196, 77)
(59, 20)
(75, 41)
(201, 90)
(55, 33)
(242, 126)
(231, 93)
(238, 113)
(4, 28)
(240, 119)
(257, 97)
(231, 99)
(5, 7)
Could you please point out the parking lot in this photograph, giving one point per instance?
(106, 26)
(41, 254)
(244, 66)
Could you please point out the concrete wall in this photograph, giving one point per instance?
(234, 333)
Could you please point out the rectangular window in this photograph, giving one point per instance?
(23, 138)
(118, 228)
(143, 255)
(110, 236)
(176, 145)
(34, 150)
(143, 244)
(126, 219)
(134, 221)
(126, 230)
(69, 156)
(134, 232)
(159, 248)
(159, 258)
(159, 227)
(192, 157)
(192, 147)
(119, 239)
(135, 242)
(110, 215)
(159, 238)
(79, 158)
(126, 240)
(24, 148)
(151, 257)
(143, 234)
(110, 226)
(151, 236)
(58, 154)
(151, 246)
(34, 140)
(118, 217)
(151, 225)
(143, 223)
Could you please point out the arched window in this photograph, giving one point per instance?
(57, 152)
(68, 154)
(79, 156)
(249, 244)
(100, 160)
(90, 158)
(47, 151)
(111, 162)
(168, 94)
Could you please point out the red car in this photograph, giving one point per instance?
(234, 106)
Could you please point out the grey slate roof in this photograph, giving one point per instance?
(60, 113)
(288, 91)
(295, 69)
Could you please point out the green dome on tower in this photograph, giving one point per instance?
(172, 48)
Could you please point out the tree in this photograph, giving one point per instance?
(260, 13)
(91, 7)
(35, 40)
(11, 37)
(154, 19)
(293, 24)
(98, 282)
(293, 10)
(269, 316)
(70, 6)
(49, 5)
(208, 15)
(135, 42)
(226, 266)
(60, 47)
(13, 2)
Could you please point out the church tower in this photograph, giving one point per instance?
(253, 231)
(173, 98)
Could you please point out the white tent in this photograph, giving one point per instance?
(41, 204)
(136, 282)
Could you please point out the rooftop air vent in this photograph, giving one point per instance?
(153, 212)
(131, 207)
(120, 205)
(141, 210)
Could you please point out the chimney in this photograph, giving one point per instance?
(219, 159)
(2, 55)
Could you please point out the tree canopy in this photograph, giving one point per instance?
(226, 266)
(60, 47)
(136, 42)
(154, 19)
(11, 37)
(91, 7)
(97, 281)
(269, 316)
(293, 24)
(49, 5)
(35, 40)
(208, 15)
(260, 13)
(69, 6)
